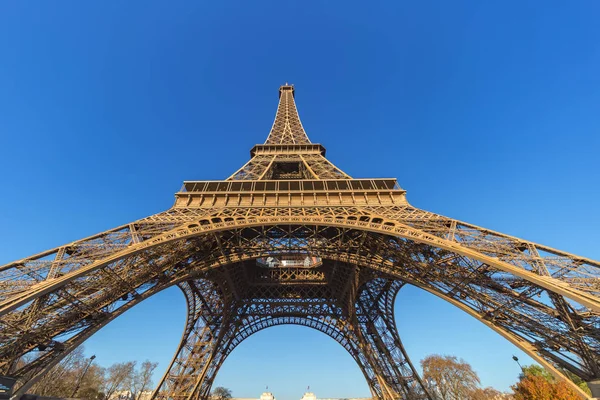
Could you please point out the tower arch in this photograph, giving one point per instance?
(289, 226)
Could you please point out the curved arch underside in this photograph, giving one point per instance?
(367, 332)
(545, 301)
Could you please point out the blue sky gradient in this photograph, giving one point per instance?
(485, 111)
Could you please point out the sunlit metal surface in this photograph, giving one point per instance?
(290, 238)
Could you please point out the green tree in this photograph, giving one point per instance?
(536, 370)
(578, 381)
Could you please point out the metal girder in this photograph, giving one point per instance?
(362, 240)
(373, 343)
(512, 304)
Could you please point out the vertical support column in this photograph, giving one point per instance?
(230, 328)
(189, 365)
(385, 379)
(376, 371)
(362, 354)
(374, 307)
(364, 326)
(205, 326)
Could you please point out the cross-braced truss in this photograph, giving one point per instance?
(291, 239)
(358, 316)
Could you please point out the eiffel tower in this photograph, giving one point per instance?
(290, 238)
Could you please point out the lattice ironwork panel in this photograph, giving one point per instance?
(289, 238)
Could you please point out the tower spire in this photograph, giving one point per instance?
(287, 128)
(288, 154)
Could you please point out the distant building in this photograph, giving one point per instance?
(267, 396)
(309, 396)
(127, 395)
(306, 396)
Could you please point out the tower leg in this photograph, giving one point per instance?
(208, 327)
(374, 313)
(332, 323)
(30, 373)
(216, 326)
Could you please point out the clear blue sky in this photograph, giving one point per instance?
(485, 111)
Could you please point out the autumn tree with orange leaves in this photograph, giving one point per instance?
(448, 378)
(537, 384)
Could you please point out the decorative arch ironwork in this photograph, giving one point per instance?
(289, 201)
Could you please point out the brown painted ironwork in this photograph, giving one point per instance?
(289, 238)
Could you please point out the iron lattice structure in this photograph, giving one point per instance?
(290, 238)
